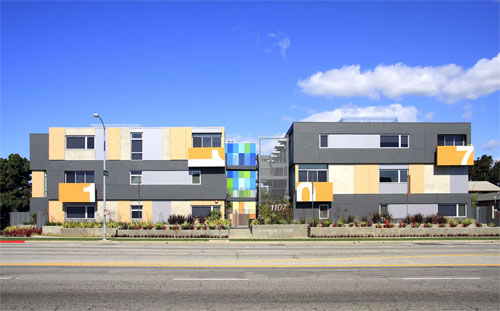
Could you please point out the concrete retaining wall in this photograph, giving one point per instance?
(211, 234)
(280, 231)
(340, 232)
(51, 230)
(87, 232)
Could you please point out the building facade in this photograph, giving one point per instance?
(152, 173)
(339, 169)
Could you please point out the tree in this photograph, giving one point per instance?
(481, 169)
(494, 176)
(15, 186)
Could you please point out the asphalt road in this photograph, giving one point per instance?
(250, 276)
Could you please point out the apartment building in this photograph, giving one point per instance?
(151, 173)
(338, 169)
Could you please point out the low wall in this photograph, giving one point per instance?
(354, 232)
(280, 231)
(87, 232)
(51, 230)
(212, 234)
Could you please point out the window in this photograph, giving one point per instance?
(313, 175)
(135, 177)
(383, 208)
(136, 146)
(79, 142)
(203, 210)
(452, 210)
(45, 184)
(136, 212)
(394, 141)
(396, 176)
(72, 177)
(451, 140)
(323, 211)
(195, 177)
(207, 140)
(80, 211)
(323, 141)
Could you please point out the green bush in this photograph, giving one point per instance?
(25, 231)
(53, 224)
(267, 216)
(491, 224)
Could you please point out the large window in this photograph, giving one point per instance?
(136, 146)
(207, 140)
(452, 210)
(79, 142)
(395, 176)
(394, 141)
(203, 210)
(136, 212)
(78, 177)
(451, 140)
(323, 211)
(135, 177)
(313, 175)
(80, 212)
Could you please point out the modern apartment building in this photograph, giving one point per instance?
(152, 172)
(357, 168)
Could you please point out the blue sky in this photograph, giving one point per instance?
(252, 67)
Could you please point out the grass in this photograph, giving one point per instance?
(249, 240)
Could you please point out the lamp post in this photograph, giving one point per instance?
(104, 174)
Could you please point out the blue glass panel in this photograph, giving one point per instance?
(252, 159)
(241, 159)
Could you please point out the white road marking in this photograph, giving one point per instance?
(444, 278)
(9, 278)
(210, 279)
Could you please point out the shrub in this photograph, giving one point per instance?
(365, 219)
(452, 223)
(328, 222)
(478, 224)
(417, 218)
(491, 224)
(376, 217)
(341, 222)
(351, 224)
(467, 222)
(267, 216)
(176, 219)
(428, 225)
(386, 216)
(17, 231)
(214, 215)
(350, 219)
(53, 224)
(363, 224)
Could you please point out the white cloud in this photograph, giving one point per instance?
(467, 115)
(281, 41)
(287, 119)
(491, 144)
(449, 83)
(429, 116)
(403, 113)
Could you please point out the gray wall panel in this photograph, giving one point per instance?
(459, 179)
(39, 205)
(39, 151)
(161, 210)
(397, 188)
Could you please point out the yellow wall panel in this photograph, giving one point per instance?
(37, 184)
(165, 143)
(147, 211)
(125, 144)
(124, 211)
(366, 179)
(113, 143)
(56, 212)
(180, 208)
(180, 141)
(416, 172)
(57, 144)
(342, 177)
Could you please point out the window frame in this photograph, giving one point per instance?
(380, 208)
(136, 174)
(86, 206)
(85, 177)
(192, 173)
(206, 135)
(219, 207)
(317, 170)
(85, 137)
(399, 141)
(457, 210)
(132, 210)
(327, 145)
(399, 176)
(327, 211)
(132, 139)
(464, 136)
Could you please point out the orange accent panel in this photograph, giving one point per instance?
(323, 191)
(455, 155)
(75, 193)
(37, 184)
(204, 153)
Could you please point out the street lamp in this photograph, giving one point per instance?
(104, 174)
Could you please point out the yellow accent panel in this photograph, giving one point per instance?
(204, 153)
(113, 143)
(342, 177)
(147, 211)
(56, 143)
(180, 208)
(37, 184)
(76, 192)
(165, 143)
(56, 212)
(180, 141)
(124, 211)
(323, 191)
(126, 143)
(366, 179)
(416, 172)
(455, 155)
(436, 179)
(80, 155)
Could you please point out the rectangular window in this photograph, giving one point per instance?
(394, 141)
(207, 140)
(313, 175)
(80, 212)
(72, 177)
(323, 211)
(203, 210)
(452, 140)
(79, 142)
(395, 176)
(383, 208)
(136, 146)
(135, 177)
(195, 177)
(136, 212)
(323, 141)
(452, 210)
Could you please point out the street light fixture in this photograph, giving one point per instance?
(104, 174)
